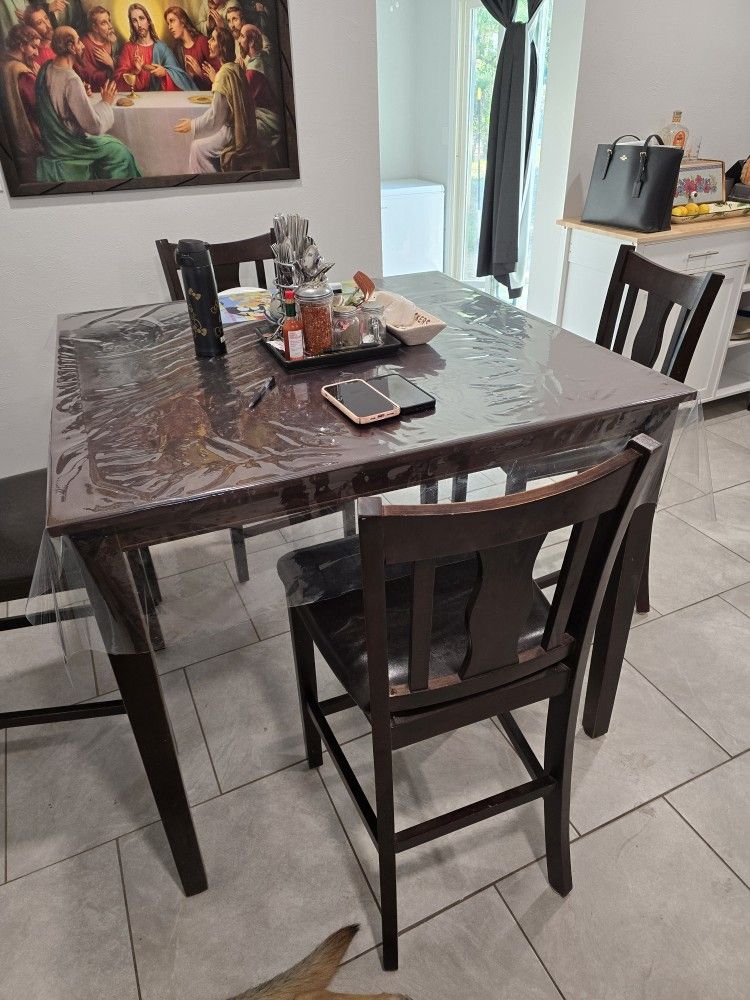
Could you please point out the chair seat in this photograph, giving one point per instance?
(23, 511)
(325, 582)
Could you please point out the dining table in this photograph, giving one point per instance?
(150, 445)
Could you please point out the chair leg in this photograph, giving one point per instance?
(460, 488)
(240, 554)
(558, 763)
(428, 492)
(153, 579)
(516, 481)
(307, 685)
(643, 597)
(383, 759)
(350, 518)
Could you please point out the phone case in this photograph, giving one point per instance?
(392, 410)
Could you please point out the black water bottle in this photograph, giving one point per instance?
(194, 260)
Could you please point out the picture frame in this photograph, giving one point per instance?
(286, 166)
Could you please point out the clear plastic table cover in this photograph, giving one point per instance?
(150, 446)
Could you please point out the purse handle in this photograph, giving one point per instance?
(640, 180)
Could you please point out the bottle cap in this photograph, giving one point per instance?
(677, 116)
(193, 253)
(289, 296)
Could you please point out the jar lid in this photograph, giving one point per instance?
(344, 310)
(372, 305)
(314, 291)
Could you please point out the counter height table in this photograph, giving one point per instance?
(150, 445)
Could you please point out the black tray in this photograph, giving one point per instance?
(334, 359)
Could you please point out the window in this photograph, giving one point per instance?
(480, 39)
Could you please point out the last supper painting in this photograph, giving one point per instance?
(116, 95)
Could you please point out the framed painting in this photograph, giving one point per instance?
(105, 95)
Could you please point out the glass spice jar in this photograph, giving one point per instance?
(315, 301)
(373, 322)
(346, 328)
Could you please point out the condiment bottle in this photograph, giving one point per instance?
(373, 322)
(315, 301)
(294, 340)
(194, 260)
(676, 134)
(346, 328)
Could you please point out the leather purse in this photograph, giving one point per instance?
(633, 187)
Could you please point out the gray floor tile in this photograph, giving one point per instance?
(281, 877)
(650, 748)
(432, 778)
(33, 673)
(473, 951)
(72, 786)
(739, 598)
(263, 595)
(676, 490)
(730, 462)
(736, 429)
(725, 517)
(201, 615)
(717, 805)
(412, 494)
(316, 526)
(698, 658)
(203, 550)
(687, 567)
(247, 702)
(64, 933)
(641, 619)
(653, 914)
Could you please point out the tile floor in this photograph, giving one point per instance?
(89, 905)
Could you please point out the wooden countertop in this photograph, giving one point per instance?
(712, 228)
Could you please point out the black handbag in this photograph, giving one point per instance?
(633, 187)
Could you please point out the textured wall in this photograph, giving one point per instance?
(81, 252)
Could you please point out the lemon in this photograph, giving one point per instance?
(680, 211)
(704, 209)
(692, 209)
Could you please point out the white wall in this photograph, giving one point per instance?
(71, 253)
(640, 60)
(416, 54)
(397, 83)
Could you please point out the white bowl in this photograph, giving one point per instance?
(425, 327)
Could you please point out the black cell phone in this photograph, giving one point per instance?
(409, 397)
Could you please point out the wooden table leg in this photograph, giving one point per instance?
(113, 597)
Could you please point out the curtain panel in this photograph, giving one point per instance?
(498, 239)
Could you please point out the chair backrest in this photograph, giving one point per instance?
(665, 290)
(505, 536)
(226, 258)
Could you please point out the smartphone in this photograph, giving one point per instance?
(360, 402)
(409, 397)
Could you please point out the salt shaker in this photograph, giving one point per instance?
(373, 322)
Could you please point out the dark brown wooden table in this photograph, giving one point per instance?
(149, 445)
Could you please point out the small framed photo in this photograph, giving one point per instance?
(701, 181)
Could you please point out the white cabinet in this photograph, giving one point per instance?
(720, 366)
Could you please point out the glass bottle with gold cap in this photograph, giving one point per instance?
(676, 134)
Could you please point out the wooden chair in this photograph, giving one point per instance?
(664, 291)
(447, 627)
(227, 258)
(22, 517)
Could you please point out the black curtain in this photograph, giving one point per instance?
(498, 239)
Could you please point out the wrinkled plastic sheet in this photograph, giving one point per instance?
(140, 428)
